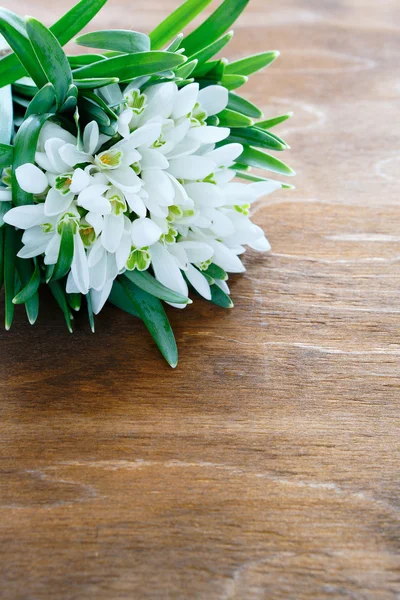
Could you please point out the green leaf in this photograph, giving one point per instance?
(150, 285)
(121, 40)
(208, 52)
(257, 179)
(74, 300)
(252, 64)
(81, 60)
(129, 66)
(90, 312)
(232, 82)
(51, 57)
(43, 102)
(151, 311)
(230, 118)
(216, 272)
(252, 136)
(28, 271)
(220, 21)
(61, 299)
(4, 207)
(268, 123)
(31, 286)
(65, 29)
(93, 83)
(14, 30)
(10, 252)
(260, 160)
(66, 252)
(243, 106)
(119, 298)
(176, 22)
(184, 71)
(175, 44)
(6, 155)
(2, 257)
(219, 297)
(24, 152)
(6, 115)
(94, 99)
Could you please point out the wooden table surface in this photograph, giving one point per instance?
(266, 466)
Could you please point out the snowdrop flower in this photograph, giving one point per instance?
(161, 196)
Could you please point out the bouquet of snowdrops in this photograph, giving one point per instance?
(126, 170)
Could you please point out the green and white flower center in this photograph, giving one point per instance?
(139, 259)
(136, 101)
(109, 159)
(63, 183)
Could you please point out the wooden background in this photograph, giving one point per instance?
(267, 465)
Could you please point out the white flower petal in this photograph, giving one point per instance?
(56, 203)
(123, 251)
(25, 216)
(185, 100)
(31, 251)
(160, 100)
(93, 200)
(5, 195)
(52, 250)
(31, 179)
(263, 188)
(152, 159)
(205, 194)
(72, 156)
(261, 245)
(226, 155)
(79, 267)
(96, 253)
(208, 134)
(167, 271)
(100, 298)
(52, 148)
(71, 287)
(91, 138)
(113, 229)
(226, 258)
(52, 130)
(191, 167)
(197, 252)
(199, 282)
(213, 99)
(98, 273)
(145, 232)
(96, 221)
(43, 161)
(185, 148)
(80, 180)
(136, 204)
(125, 179)
(159, 187)
(145, 135)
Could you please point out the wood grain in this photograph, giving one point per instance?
(267, 465)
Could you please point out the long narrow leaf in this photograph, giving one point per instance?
(65, 29)
(252, 64)
(51, 57)
(257, 179)
(24, 152)
(81, 60)
(120, 40)
(43, 102)
(176, 22)
(6, 155)
(252, 136)
(10, 251)
(66, 252)
(150, 285)
(28, 272)
(128, 66)
(6, 115)
(13, 29)
(92, 83)
(269, 123)
(260, 160)
(220, 21)
(230, 118)
(152, 313)
(219, 297)
(243, 106)
(90, 312)
(61, 299)
(210, 51)
(119, 298)
(32, 285)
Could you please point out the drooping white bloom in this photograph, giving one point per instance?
(160, 195)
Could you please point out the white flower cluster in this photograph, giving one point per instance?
(161, 196)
